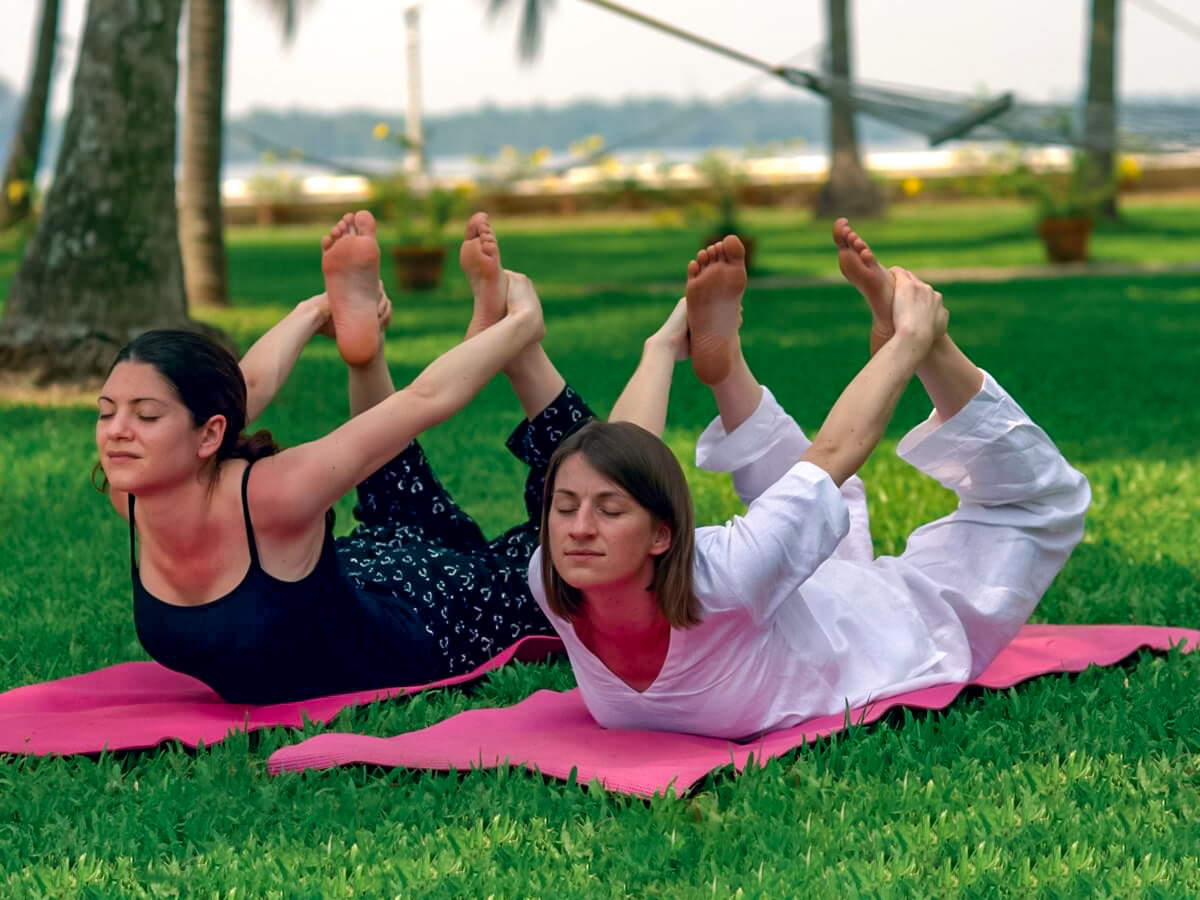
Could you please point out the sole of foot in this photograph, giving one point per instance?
(715, 284)
(350, 261)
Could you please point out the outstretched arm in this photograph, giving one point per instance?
(856, 423)
(270, 359)
(644, 399)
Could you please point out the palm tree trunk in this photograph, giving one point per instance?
(104, 261)
(1100, 120)
(201, 218)
(849, 190)
(16, 199)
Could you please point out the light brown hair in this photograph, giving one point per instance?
(644, 467)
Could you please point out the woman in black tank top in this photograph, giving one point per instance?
(237, 578)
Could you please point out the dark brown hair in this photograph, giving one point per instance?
(644, 467)
(208, 381)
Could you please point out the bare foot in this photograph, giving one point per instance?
(479, 257)
(715, 284)
(350, 261)
(874, 282)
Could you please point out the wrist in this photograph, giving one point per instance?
(912, 342)
(313, 311)
(658, 345)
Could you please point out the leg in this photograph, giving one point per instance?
(534, 379)
(473, 598)
(534, 442)
(949, 378)
(350, 260)
(715, 284)
(1021, 512)
(468, 605)
(758, 453)
(405, 498)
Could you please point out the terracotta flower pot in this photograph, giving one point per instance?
(418, 267)
(1065, 240)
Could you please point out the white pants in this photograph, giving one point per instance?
(965, 583)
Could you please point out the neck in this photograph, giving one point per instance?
(173, 518)
(624, 614)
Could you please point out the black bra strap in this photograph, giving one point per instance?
(132, 538)
(246, 514)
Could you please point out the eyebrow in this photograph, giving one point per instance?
(601, 495)
(134, 400)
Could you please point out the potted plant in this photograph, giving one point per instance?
(723, 178)
(416, 219)
(416, 211)
(1066, 204)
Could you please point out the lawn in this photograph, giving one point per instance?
(1067, 786)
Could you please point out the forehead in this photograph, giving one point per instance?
(137, 379)
(578, 475)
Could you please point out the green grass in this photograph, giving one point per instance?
(1068, 786)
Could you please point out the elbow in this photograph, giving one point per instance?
(837, 461)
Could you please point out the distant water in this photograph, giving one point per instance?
(462, 166)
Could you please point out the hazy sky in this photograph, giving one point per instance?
(350, 53)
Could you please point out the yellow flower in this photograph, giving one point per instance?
(380, 132)
(1129, 169)
(16, 191)
(540, 155)
(911, 186)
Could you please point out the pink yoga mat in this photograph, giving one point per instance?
(552, 733)
(142, 704)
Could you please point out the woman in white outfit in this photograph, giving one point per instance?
(783, 614)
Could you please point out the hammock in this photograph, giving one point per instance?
(942, 115)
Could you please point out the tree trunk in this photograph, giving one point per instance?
(849, 190)
(16, 200)
(103, 264)
(201, 220)
(1100, 121)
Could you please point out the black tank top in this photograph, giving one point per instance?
(273, 641)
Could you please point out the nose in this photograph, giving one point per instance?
(582, 523)
(118, 425)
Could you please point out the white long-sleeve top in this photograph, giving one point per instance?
(798, 620)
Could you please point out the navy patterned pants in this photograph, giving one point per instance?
(414, 546)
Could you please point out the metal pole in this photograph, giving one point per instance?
(415, 159)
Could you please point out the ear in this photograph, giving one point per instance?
(661, 540)
(212, 433)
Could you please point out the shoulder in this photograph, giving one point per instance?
(283, 503)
